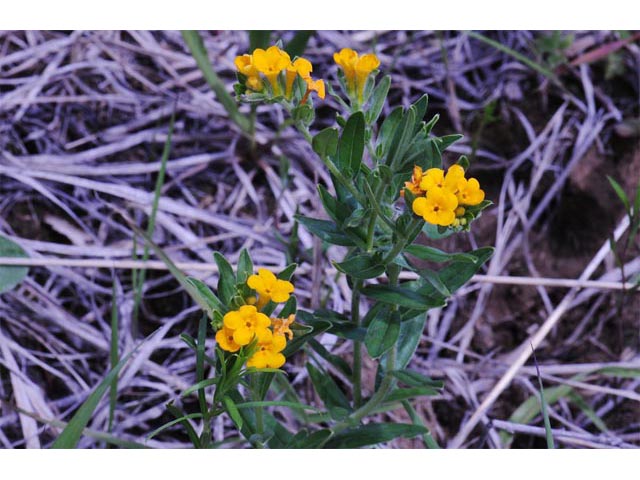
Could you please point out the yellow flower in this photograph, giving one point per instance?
(453, 177)
(414, 185)
(281, 326)
(269, 287)
(364, 66)
(356, 69)
(268, 354)
(316, 86)
(245, 323)
(431, 179)
(347, 59)
(224, 337)
(270, 63)
(438, 207)
(469, 192)
(244, 64)
(435, 178)
(313, 86)
(300, 66)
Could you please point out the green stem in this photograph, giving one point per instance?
(257, 410)
(388, 382)
(357, 346)
(252, 128)
(402, 243)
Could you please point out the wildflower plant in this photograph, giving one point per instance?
(389, 192)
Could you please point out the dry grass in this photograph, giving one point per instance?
(83, 118)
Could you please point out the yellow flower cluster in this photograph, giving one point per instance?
(271, 63)
(243, 326)
(442, 198)
(356, 69)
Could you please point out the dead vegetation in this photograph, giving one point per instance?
(83, 119)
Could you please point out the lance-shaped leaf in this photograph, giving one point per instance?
(351, 144)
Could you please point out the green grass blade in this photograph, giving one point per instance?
(181, 419)
(517, 55)
(543, 405)
(141, 275)
(100, 436)
(202, 333)
(113, 354)
(199, 52)
(277, 403)
(72, 433)
(175, 271)
(191, 433)
(199, 386)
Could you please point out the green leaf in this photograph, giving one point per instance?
(329, 203)
(446, 141)
(245, 267)
(233, 412)
(457, 274)
(378, 99)
(325, 230)
(588, 411)
(335, 360)
(530, 408)
(226, 279)
(212, 302)
(416, 379)
(289, 307)
(114, 356)
(334, 400)
(313, 440)
(431, 254)
(431, 123)
(620, 192)
(374, 433)
(401, 140)
(287, 272)
(332, 322)
(318, 327)
(402, 297)
(382, 333)
(276, 403)
(410, 335)
(434, 279)
(325, 143)
(298, 43)
(259, 39)
(362, 266)
(436, 232)
(463, 161)
(406, 393)
(351, 144)
(10, 276)
(621, 372)
(420, 111)
(388, 129)
(199, 386)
